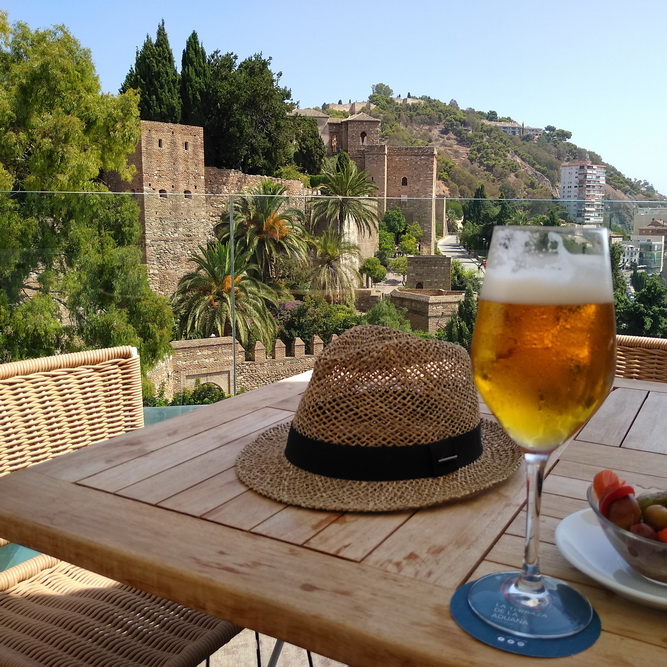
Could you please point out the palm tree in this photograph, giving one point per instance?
(266, 230)
(333, 271)
(203, 299)
(347, 191)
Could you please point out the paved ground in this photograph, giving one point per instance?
(242, 652)
(450, 247)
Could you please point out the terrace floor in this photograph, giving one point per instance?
(242, 652)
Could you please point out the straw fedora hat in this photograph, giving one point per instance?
(389, 421)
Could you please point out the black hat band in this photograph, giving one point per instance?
(384, 463)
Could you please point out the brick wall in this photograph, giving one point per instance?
(211, 360)
(429, 272)
(428, 310)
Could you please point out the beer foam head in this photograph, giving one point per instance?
(545, 266)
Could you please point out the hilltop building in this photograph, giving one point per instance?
(515, 129)
(405, 176)
(582, 191)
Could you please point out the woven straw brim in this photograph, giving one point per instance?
(262, 466)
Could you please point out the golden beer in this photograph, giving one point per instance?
(543, 370)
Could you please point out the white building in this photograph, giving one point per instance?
(630, 258)
(582, 191)
(651, 251)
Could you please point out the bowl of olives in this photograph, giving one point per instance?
(634, 524)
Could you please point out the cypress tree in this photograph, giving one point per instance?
(195, 76)
(154, 75)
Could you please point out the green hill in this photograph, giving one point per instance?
(472, 152)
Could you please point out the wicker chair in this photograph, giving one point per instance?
(52, 612)
(641, 358)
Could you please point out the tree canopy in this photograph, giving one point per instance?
(154, 75)
(72, 274)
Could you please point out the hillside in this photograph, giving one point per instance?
(472, 152)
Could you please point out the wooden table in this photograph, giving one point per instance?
(161, 509)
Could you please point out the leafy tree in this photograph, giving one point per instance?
(334, 275)
(195, 77)
(399, 265)
(313, 317)
(394, 221)
(463, 278)
(461, 326)
(382, 89)
(247, 124)
(347, 193)
(385, 314)
(415, 229)
(154, 75)
(203, 299)
(309, 149)
(71, 275)
(266, 228)
(646, 315)
(408, 245)
(386, 247)
(374, 269)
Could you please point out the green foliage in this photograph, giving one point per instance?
(646, 315)
(266, 228)
(195, 76)
(154, 75)
(394, 221)
(408, 245)
(203, 300)
(386, 247)
(347, 197)
(333, 272)
(382, 89)
(313, 317)
(309, 149)
(414, 229)
(374, 269)
(202, 394)
(247, 126)
(463, 278)
(385, 314)
(461, 326)
(399, 265)
(72, 274)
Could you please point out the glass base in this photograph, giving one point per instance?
(553, 612)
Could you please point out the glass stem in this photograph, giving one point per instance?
(530, 580)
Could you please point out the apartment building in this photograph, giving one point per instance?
(582, 191)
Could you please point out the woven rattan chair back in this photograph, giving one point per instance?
(53, 612)
(641, 358)
(55, 405)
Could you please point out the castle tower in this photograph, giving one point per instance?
(170, 184)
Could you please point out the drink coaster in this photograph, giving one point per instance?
(505, 641)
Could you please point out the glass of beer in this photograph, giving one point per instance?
(543, 358)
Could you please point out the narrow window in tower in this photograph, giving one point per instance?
(159, 143)
(188, 194)
(362, 136)
(185, 145)
(163, 193)
(404, 180)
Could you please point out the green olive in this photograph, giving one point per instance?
(646, 499)
(656, 516)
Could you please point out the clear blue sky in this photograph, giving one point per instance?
(596, 68)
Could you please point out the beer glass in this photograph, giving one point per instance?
(543, 358)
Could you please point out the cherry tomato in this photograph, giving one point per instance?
(604, 480)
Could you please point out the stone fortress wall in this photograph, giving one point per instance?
(181, 200)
